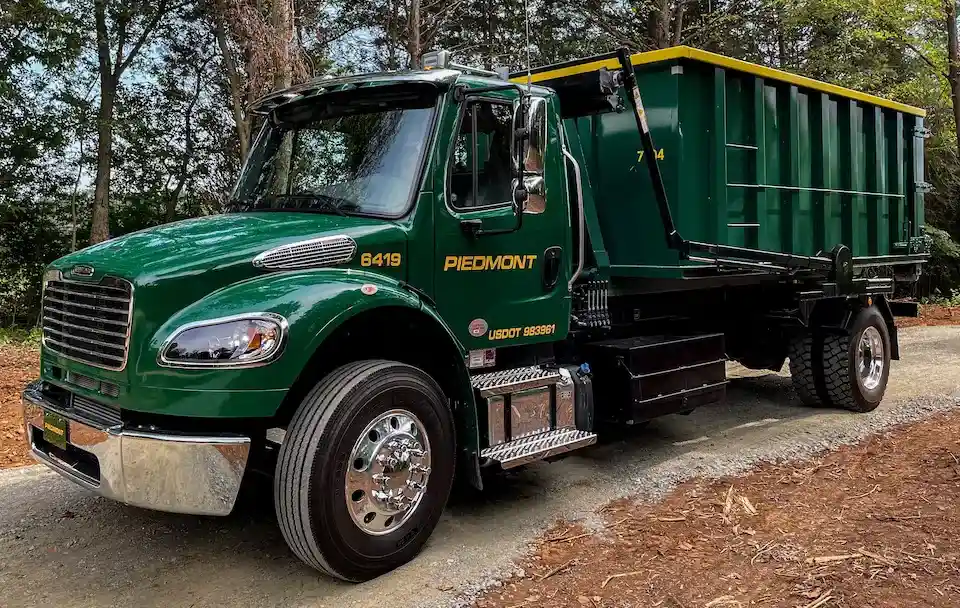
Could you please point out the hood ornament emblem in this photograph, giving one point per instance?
(82, 271)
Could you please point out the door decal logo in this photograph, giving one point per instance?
(478, 327)
(465, 263)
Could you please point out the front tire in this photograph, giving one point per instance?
(365, 469)
(856, 366)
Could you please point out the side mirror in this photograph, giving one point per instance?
(521, 137)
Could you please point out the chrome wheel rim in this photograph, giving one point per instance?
(870, 358)
(388, 472)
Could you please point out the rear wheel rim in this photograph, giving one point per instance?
(388, 471)
(870, 358)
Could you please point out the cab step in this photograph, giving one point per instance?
(538, 447)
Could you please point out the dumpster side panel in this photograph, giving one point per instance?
(755, 162)
(628, 214)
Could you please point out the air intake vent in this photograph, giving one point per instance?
(315, 253)
(88, 322)
(94, 410)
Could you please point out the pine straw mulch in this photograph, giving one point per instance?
(876, 524)
(933, 315)
(18, 366)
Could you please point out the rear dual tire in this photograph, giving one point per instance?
(365, 469)
(848, 371)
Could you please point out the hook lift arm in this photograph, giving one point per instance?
(839, 263)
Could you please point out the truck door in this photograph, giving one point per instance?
(498, 285)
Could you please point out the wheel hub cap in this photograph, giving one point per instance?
(388, 472)
(870, 358)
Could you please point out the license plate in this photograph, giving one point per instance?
(55, 429)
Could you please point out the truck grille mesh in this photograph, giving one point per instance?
(88, 322)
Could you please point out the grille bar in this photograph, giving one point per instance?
(92, 319)
(90, 353)
(105, 332)
(89, 322)
(82, 305)
(86, 340)
(94, 296)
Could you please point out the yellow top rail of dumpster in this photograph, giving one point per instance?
(686, 52)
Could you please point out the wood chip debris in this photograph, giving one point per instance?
(621, 575)
(556, 570)
(831, 559)
(877, 557)
(747, 505)
(820, 601)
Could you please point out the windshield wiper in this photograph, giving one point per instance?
(310, 203)
(325, 201)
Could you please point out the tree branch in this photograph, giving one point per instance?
(103, 43)
(159, 14)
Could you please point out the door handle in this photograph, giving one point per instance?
(551, 267)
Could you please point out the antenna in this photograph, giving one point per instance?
(526, 21)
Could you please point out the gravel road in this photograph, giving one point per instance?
(60, 546)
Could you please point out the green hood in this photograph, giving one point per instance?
(213, 244)
(178, 264)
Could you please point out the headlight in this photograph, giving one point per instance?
(240, 341)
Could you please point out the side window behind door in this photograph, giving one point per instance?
(480, 168)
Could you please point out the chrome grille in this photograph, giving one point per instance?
(324, 251)
(88, 322)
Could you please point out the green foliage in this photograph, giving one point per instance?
(19, 336)
(942, 273)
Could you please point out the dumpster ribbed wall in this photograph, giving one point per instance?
(755, 162)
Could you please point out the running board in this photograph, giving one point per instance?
(538, 447)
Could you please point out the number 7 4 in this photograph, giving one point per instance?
(640, 155)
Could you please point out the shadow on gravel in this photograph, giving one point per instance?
(766, 400)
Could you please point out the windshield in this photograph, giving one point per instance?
(339, 153)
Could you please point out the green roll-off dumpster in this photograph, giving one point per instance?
(751, 157)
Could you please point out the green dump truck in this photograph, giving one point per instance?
(429, 273)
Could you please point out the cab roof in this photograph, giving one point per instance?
(442, 79)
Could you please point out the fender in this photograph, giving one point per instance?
(315, 303)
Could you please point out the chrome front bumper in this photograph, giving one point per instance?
(167, 472)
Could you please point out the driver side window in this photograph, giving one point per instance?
(480, 167)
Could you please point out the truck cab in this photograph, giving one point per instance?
(411, 281)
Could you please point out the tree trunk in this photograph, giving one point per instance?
(660, 19)
(241, 122)
(391, 37)
(282, 77)
(413, 34)
(183, 173)
(110, 70)
(100, 218)
(953, 52)
(678, 23)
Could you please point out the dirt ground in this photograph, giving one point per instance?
(933, 315)
(874, 525)
(18, 366)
